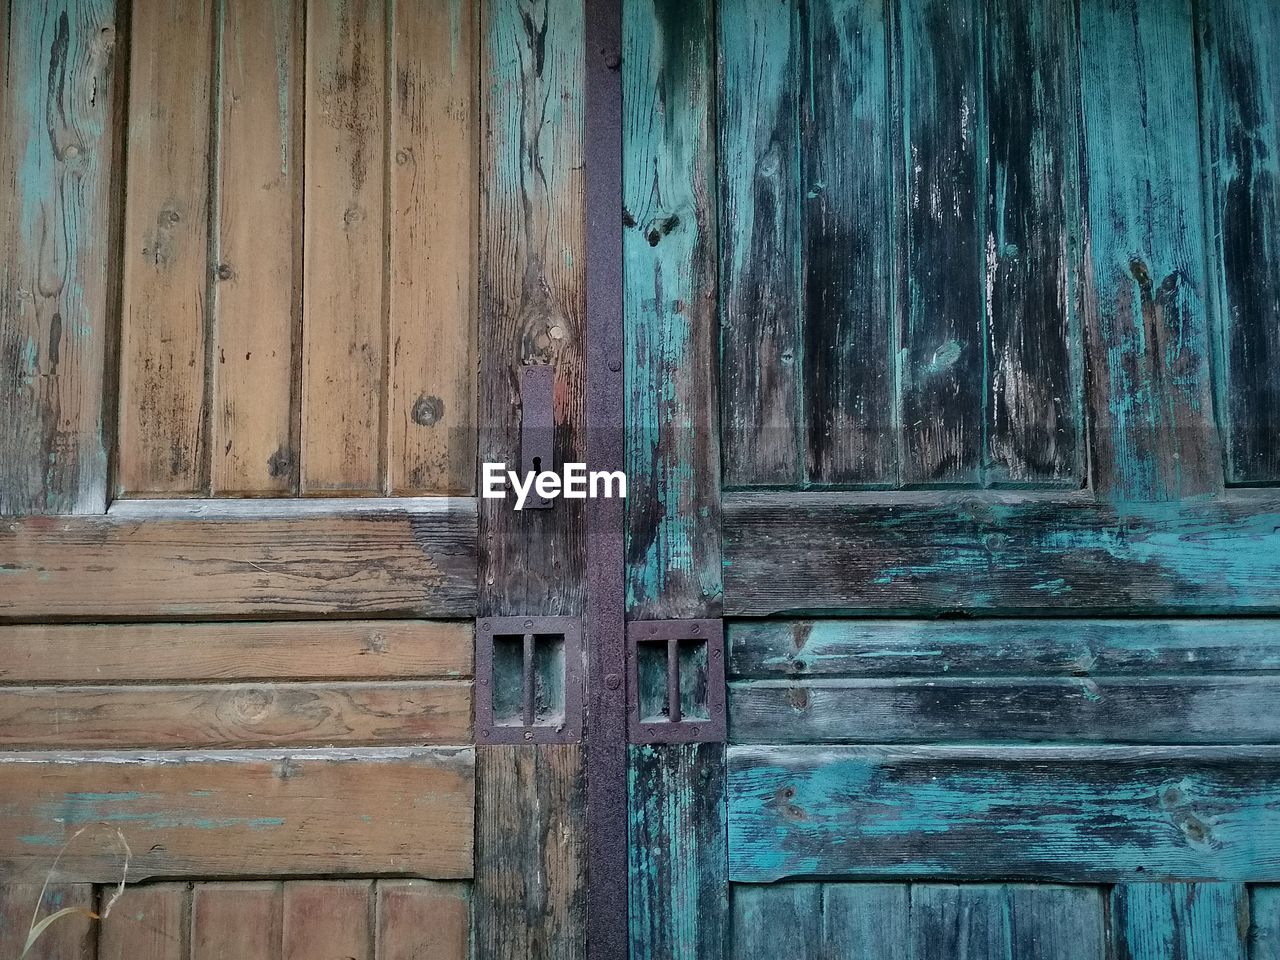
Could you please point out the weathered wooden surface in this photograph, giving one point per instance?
(150, 922)
(669, 302)
(1198, 921)
(423, 920)
(999, 552)
(58, 135)
(888, 648)
(1240, 110)
(1264, 932)
(1046, 813)
(781, 919)
(383, 810)
(324, 918)
(866, 921)
(70, 938)
(1008, 922)
(298, 650)
(400, 557)
(241, 920)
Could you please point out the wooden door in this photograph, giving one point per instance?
(245, 250)
(952, 332)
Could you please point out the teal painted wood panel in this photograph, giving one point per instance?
(57, 147)
(784, 920)
(866, 921)
(1240, 111)
(1008, 922)
(1191, 921)
(1071, 814)
(1264, 930)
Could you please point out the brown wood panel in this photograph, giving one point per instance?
(236, 921)
(149, 922)
(376, 810)
(258, 244)
(395, 557)
(344, 323)
(434, 214)
(67, 938)
(58, 137)
(161, 444)
(326, 919)
(236, 715)
(423, 920)
(299, 650)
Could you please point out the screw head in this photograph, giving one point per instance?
(613, 681)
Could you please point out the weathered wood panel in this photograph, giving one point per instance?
(998, 552)
(762, 314)
(395, 557)
(58, 138)
(162, 441)
(867, 921)
(150, 922)
(1190, 709)
(1071, 814)
(1240, 111)
(257, 240)
(1007, 922)
(679, 883)
(324, 918)
(235, 715)
(345, 325)
(423, 920)
(888, 648)
(69, 938)
(1146, 324)
(1264, 932)
(1198, 921)
(432, 244)
(669, 302)
(781, 920)
(396, 810)
(240, 920)
(300, 650)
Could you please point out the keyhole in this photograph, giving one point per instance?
(537, 465)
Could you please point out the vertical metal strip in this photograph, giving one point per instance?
(607, 916)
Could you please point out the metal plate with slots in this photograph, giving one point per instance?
(528, 680)
(537, 427)
(675, 681)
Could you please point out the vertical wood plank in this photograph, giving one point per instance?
(1240, 99)
(258, 241)
(531, 872)
(68, 938)
(669, 302)
(784, 920)
(531, 289)
(679, 878)
(760, 258)
(1056, 923)
(344, 327)
(166, 249)
(950, 921)
(1034, 416)
(1264, 932)
(423, 920)
(325, 919)
(149, 922)
(57, 138)
(434, 195)
(849, 216)
(1191, 921)
(867, 921)
(941, 341)
(1145, 320)
(235, 921)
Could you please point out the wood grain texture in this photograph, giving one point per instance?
(941, 341)
(236, 920)
(1007, 922)
(344, 313)
(423, 920)
(149, 922)
(1264, 933)
(1081, 648)
(407, 559)
(531, 288)
(1145, 316)
(1198, 921)
(780, 920)
(21, 906)
(1034, 417)
(1090, 709)
(867, 921)
(215, 715)
(678, 858)
(999, 553)
(1102, 814)
(253, 440)
(397, 810)
(162, 435)
(302, 650)
(762, 316)
(669, 302)
(58, 113)
(1240, 113)
(432, 236)
(530, 866)
(326, 920)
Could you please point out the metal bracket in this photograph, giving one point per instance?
(537, 426)
(675, 681)
(528, 680)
